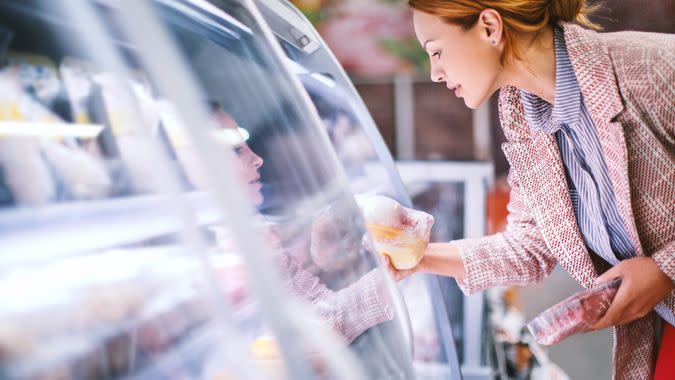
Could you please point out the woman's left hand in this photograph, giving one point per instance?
(643, 286)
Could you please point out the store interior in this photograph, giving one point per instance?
(184, 187)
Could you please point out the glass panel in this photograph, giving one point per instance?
(291, 174)
(371, 170)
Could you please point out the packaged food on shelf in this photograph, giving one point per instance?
(575, 315)
(38, 76)
(26, 176)
(142, 305)
(39, 169)
(76, 76)
(398, 232)
(180, 146)
(132, 115)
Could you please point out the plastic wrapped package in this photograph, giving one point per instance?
(181, 146)
(132, 115)
(398, 232)
(77, 80)
(37, 74)
(38, 170)
(575, 315)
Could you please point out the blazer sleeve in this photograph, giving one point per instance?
(517, 256)
(351, 310)
(665, 260)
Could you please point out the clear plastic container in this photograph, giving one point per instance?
(398, 232)
(575, 315)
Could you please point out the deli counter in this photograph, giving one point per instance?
(178, 200)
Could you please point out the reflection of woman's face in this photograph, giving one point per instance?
(247, 162)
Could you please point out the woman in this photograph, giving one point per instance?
(351, 310)
(590, 123)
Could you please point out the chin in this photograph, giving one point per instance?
(470, 104)
(474, 103)
(256, 198)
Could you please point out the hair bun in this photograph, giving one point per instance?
(565, 10)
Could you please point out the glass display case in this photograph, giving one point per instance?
(371, 170)
(171, 205)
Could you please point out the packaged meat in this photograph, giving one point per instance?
(398, 232)
(575, 315)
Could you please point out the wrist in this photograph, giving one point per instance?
(442, 259)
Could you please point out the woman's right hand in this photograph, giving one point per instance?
(397, 274)
(441, 259)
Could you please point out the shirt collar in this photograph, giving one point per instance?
(567, 104)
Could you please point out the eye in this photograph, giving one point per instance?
(238, 149)
(437, 54)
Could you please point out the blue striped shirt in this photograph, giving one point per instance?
(602, 227)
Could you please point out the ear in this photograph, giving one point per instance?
(491, 26)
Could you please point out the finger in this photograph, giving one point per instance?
(614, 272)
(616, 311)
(396, 274)
(387, 263)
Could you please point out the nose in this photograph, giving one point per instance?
(257, 161)
(437, 74)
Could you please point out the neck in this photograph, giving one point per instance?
(535, 72)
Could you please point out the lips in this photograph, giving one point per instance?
(455, 87)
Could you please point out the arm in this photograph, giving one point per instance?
(518, 256)
(351, 310)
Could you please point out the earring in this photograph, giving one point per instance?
(494, 42)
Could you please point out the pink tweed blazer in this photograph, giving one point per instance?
(627, 80)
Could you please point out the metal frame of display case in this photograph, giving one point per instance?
(476, 177)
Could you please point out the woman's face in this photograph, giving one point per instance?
(247, 162)
(466, 60)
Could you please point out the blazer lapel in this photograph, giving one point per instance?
(535, 160)
(595, 73)
(540, 173)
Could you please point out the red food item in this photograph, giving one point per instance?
(574, 315)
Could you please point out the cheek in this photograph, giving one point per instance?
(481, 69)
(241, 171)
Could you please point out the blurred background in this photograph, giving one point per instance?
(421, 120)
